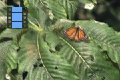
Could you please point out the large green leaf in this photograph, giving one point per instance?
(70, 7)
(88, 59)
(2, 70)
(4, 46)
(38, 14)
(11, 59)
(62, 8)
(38, 73)
(11, 33)
(28, 53)
(102, 35)
(57, 10)
(22, 55)
(56, 65)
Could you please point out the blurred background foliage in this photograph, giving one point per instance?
(107, 11)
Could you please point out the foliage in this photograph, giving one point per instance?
(43, 52)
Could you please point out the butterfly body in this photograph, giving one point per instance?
(76, 34)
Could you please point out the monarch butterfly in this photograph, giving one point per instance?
(76, 34)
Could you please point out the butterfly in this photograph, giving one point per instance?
(76, 34)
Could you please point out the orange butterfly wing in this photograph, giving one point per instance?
(76, 38)
(81, 35)
(76, 34)
(70, 32)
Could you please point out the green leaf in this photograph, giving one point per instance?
(2, 70)
(100, 33)
(28, 53)
(55, 7)
(38, 73)
(11, 59)
(38, 13)
(70, 7)
(62, 9)
(88, 59)
(11, 33)
(86, 1)
(104, 36)
(50, 10)
(4, 46)
(57, 66)
(3, 12)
